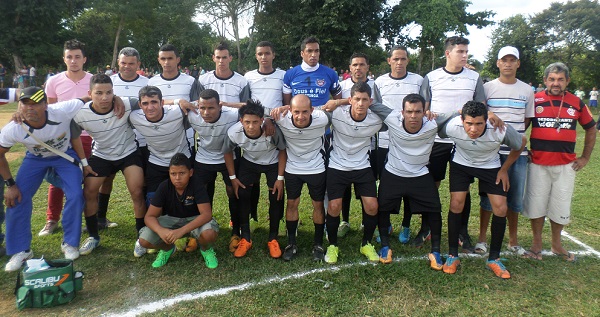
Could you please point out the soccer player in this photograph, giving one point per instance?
(446, 90)
(50, 125)
(554, 162)
(261, 154)
(114, 149)
(304, 129)
(476, 156)
(512, 101)
(231, 86)
(353, 127)
(180, 206)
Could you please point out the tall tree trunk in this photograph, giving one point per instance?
(18, 61)
(116, 46)
(236, 34)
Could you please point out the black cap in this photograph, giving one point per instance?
(34, 93)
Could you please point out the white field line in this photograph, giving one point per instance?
(168, 302)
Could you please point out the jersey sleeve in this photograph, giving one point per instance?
(425, 91)
(228, 144)
(479, 94)
(529, 108)
(245, 93)
(7, 139)
(335, 88)
(75, 129)
(379, 109)
(196, 89)
(278, 140)
(69, 107)
(586, 118)
(287, 82)
(377, 94)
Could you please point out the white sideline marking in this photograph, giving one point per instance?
(168, 302)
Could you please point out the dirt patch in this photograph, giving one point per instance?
(10, 156)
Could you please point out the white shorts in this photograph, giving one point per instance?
(549, 192)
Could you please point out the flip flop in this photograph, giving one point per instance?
(569, 257)
(533, 255)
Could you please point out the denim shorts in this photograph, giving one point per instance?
(517, 176)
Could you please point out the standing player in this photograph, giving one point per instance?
(512, 101)
(446, 90)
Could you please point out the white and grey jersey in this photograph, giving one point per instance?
(512, 103)
(267, 88)
(448, 92)
(113, 137)
(165, 137)
(391, 91)
(305, 146)
(232, 89)
(262, 150)
(351, 140)
(347, 84)
(211, 136)
(130, 88)
(483, 151)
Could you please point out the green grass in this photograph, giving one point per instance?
(115, 281)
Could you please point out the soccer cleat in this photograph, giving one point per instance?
(318, 253)
(210, 258)
(385, 255)
(233, 242)
(404, 235)
(290, 252)
(498, 268)
(369, 251)
(451, 264)
(466, 243)
(17, 260)
(274, 249)
(343, 229)
(435, 261)
(138, 249)
(331, 256)
(152, 251)
(71, 252)
(181, 243)
(49, 228)
(162, 257)
(192, 245)
(242, 248)
(420, 239)
(89, 245)
(105, 223)
(378, 236)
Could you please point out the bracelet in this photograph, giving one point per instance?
(84, 162)
(280, 177)
(232, 176)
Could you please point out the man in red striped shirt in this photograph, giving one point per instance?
(554, 163)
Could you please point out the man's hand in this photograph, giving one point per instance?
(236, 184)
(430, 115)
(579, 163)
(187, 106)
(503, 177)
(119, 107)
(87, 170)
(278, 188)
(279, 111)
(331, 105)
(496, 122)
(269, 127)
(12, 196)
(17, 117)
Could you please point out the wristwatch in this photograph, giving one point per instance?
(9, 182)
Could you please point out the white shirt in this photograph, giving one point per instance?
(130, 88)
(211, 136)
(262, 150)
(267, 88)
(232, 89)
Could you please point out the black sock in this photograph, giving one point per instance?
(319, 229)
(102, 205)
(466, 213)
(332, 228)
(275, 212)
(370, 223)
(255, 197)
(91, 223)
(139, 224)
(292, 227)
(346, 201)
(453, 229)
(498, 229)
(245, 204)
(425, 222)
(407, 214)
(383, 218)
(435, 223)
(234, 215)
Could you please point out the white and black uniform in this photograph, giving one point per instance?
(232, 89)
(212, 135)
(267, 88)
(347, 84)
(130, 89)
(262, 150)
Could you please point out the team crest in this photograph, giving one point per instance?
(264, 79)
(571, 112)
(320, 82)
(126, 87)
(539, 109)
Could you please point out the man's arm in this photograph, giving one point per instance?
(425, 92)
(588, 147)
(287, 99)
(278, 187)
(235, 182)
(511, 139)
(12, 194)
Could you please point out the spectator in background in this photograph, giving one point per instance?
(2, 75)
(32, 73)
(593, 97)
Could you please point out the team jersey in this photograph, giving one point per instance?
(232, 89)
(448, 92)
(267, 88)
(483, 151)
(211, 136)
(346, 86)
(113, 137)
(351, 140)
(550, 145)
(130, 88)
(262, 150)
(317, 83)
(55, 133)
(166, 137)
(305, 146)
(391, 91)
(510, 102)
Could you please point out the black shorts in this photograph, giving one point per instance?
(145, 156)
(249, 173)
(105, 168)
(421, 192)
(208, 173)
(338, 181)
(381, 158)
(314, 182)
(462, 176)
(441, 154)
(155, 174)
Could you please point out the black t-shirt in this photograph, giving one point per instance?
(180, 206)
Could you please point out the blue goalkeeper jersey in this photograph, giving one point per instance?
(317, 84)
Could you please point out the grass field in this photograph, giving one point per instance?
(117, 283)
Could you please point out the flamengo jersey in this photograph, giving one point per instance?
(391, 91)
(166, 137)
(232, 89)
(305, 146)
(346, 86)
(113, 137)
(130, 88)
(351, 140)
(483, 151)
(56, 133)
(262, 150)
(512, 103)
(211, 136)
(448, 92)
(552, 147)
(317, 83)
(267, 88)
